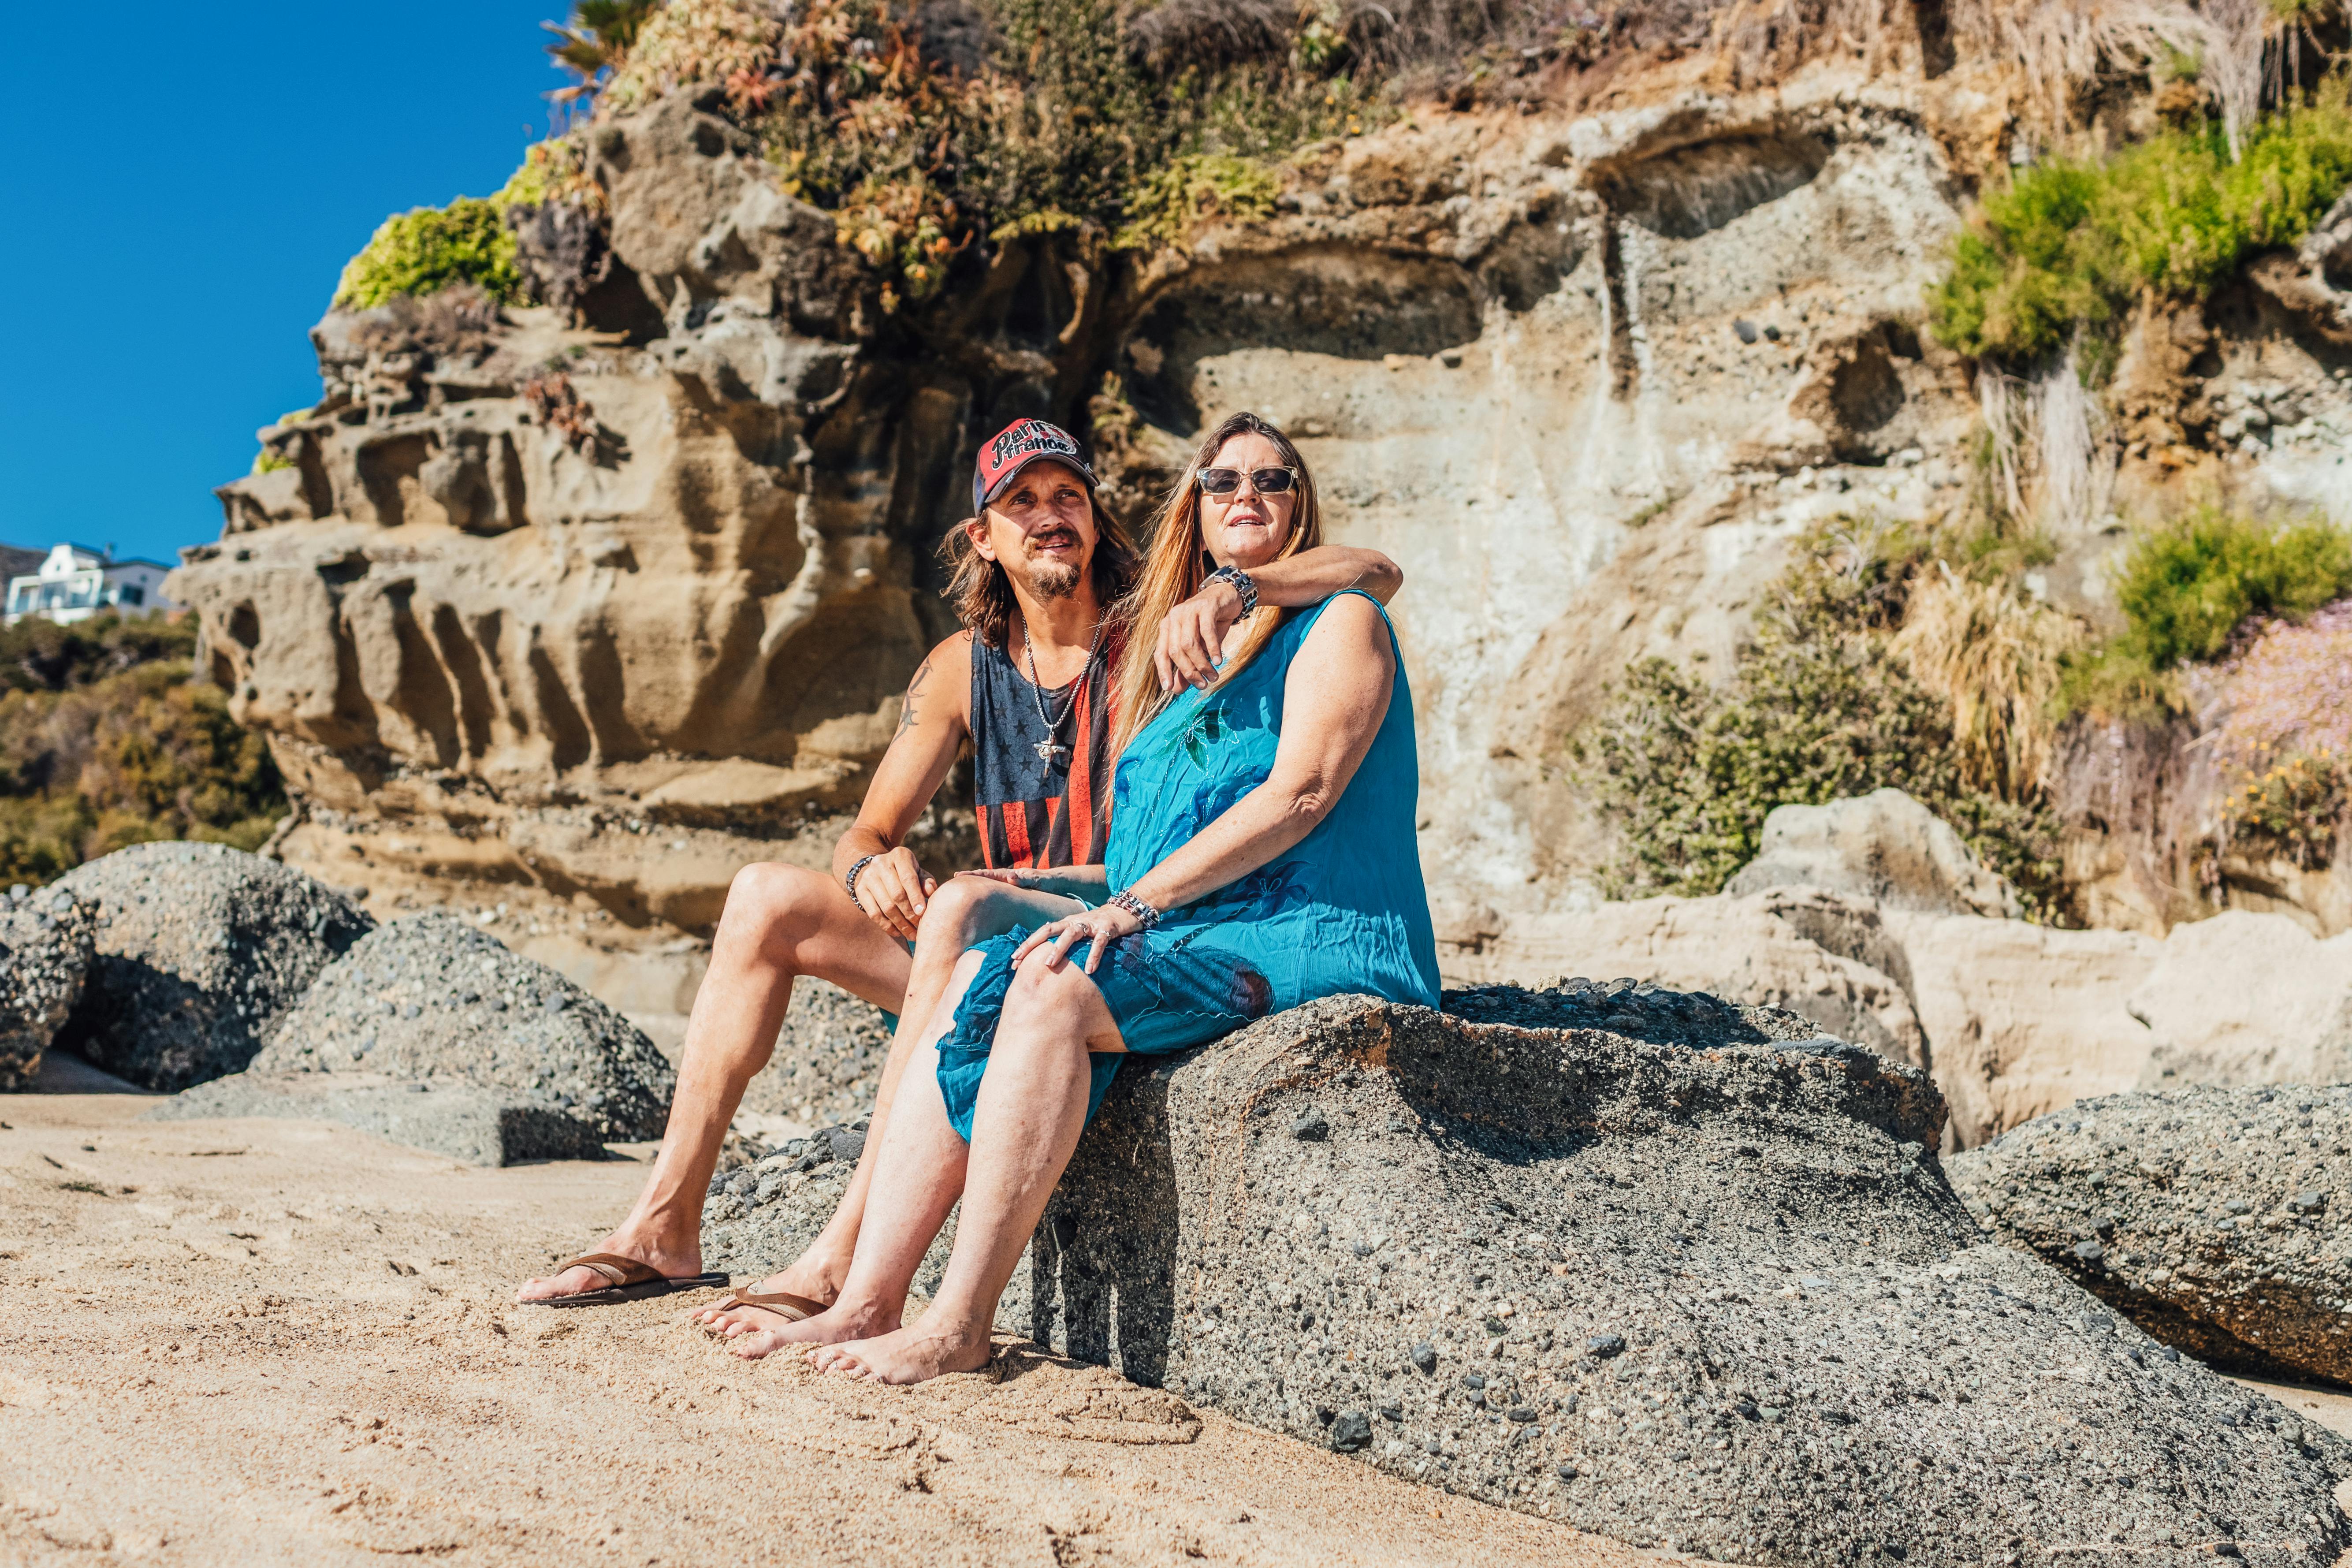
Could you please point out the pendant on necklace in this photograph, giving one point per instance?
(1049, 752)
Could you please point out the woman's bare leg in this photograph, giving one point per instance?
(1031, 1109)
(918, 1172)
(780, 922)
(964, 912)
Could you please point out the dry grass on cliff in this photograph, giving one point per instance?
(1995, 658)
(1872, 665)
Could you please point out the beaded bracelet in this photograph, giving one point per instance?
(850, 882)
(1243, 584)
(1142, 912)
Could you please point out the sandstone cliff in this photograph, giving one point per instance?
(579, 606)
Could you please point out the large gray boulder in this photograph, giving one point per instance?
(433, 1032)
(44, 955)
(1884, 846)
(1673, 1272)
(2219, 1219)
(201, 949)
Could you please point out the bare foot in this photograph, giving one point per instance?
(817, 1278)
(843, 1322)
(670, 1262)
(909, 1355)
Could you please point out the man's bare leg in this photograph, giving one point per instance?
(1030, 1110)
(780, 922)
(964, 912)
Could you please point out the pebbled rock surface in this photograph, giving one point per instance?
(1683, 1273)
(2219, 1219)
(430, 1000)
(200, 952)
(44, 955)
(828, 1060)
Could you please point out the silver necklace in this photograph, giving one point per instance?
(1049, 750)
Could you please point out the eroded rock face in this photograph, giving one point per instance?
(2011, 1019)
(1683, 1272)
(2216, 1218)
(526, 580)
(45, 950)
(201, 949)
(2248, 998)
(1883, 846)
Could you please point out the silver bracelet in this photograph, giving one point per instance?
(1242, 583)
(850, 882)
(1142, 912)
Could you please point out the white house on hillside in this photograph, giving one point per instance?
(75, 583)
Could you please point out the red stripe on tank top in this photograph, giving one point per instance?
(1077, 821)
(1017, 833)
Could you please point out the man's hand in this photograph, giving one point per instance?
(1194, 634)
(895, 889)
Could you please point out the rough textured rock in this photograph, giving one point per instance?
(433, 1033)
(201, 950)
(828, 1060)
(44, 955)
(2012, 1019)
(2248, 998)
(2219, 1219)
(1884, 846)
(1824, 956)
(1685, 1272)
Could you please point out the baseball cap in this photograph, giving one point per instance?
(1016, 447)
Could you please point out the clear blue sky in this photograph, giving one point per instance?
(182, 185)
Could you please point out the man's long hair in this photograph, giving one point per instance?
(982, 594)
(1177, 565)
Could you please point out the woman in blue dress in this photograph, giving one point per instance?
(1261, 855)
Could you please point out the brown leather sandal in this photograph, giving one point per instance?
(631, 1281)
(783, 1303)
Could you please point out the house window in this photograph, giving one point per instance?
(131, 593)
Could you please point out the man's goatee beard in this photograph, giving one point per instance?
(1055, 580)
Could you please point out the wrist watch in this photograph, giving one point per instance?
(1242, 586)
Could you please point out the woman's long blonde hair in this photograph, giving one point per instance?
(1177, 565)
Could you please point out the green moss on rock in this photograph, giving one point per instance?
(430, 248)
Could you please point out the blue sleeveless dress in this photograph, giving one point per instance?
(1343, 912)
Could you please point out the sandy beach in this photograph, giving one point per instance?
(277, 1341)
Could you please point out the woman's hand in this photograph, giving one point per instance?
(894, 889)
(1102, 927)
(1193, 638)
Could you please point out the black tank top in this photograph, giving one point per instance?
(1035, 810)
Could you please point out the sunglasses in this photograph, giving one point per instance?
(1266, 482)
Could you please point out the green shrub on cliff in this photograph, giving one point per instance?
(1819, 705)
(105, 740)
(2069, 245)
(2187, 586)
(430, 248)
(1167, 206)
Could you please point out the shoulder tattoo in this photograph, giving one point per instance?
(914, 693)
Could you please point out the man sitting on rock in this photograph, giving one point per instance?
(1038, 572)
